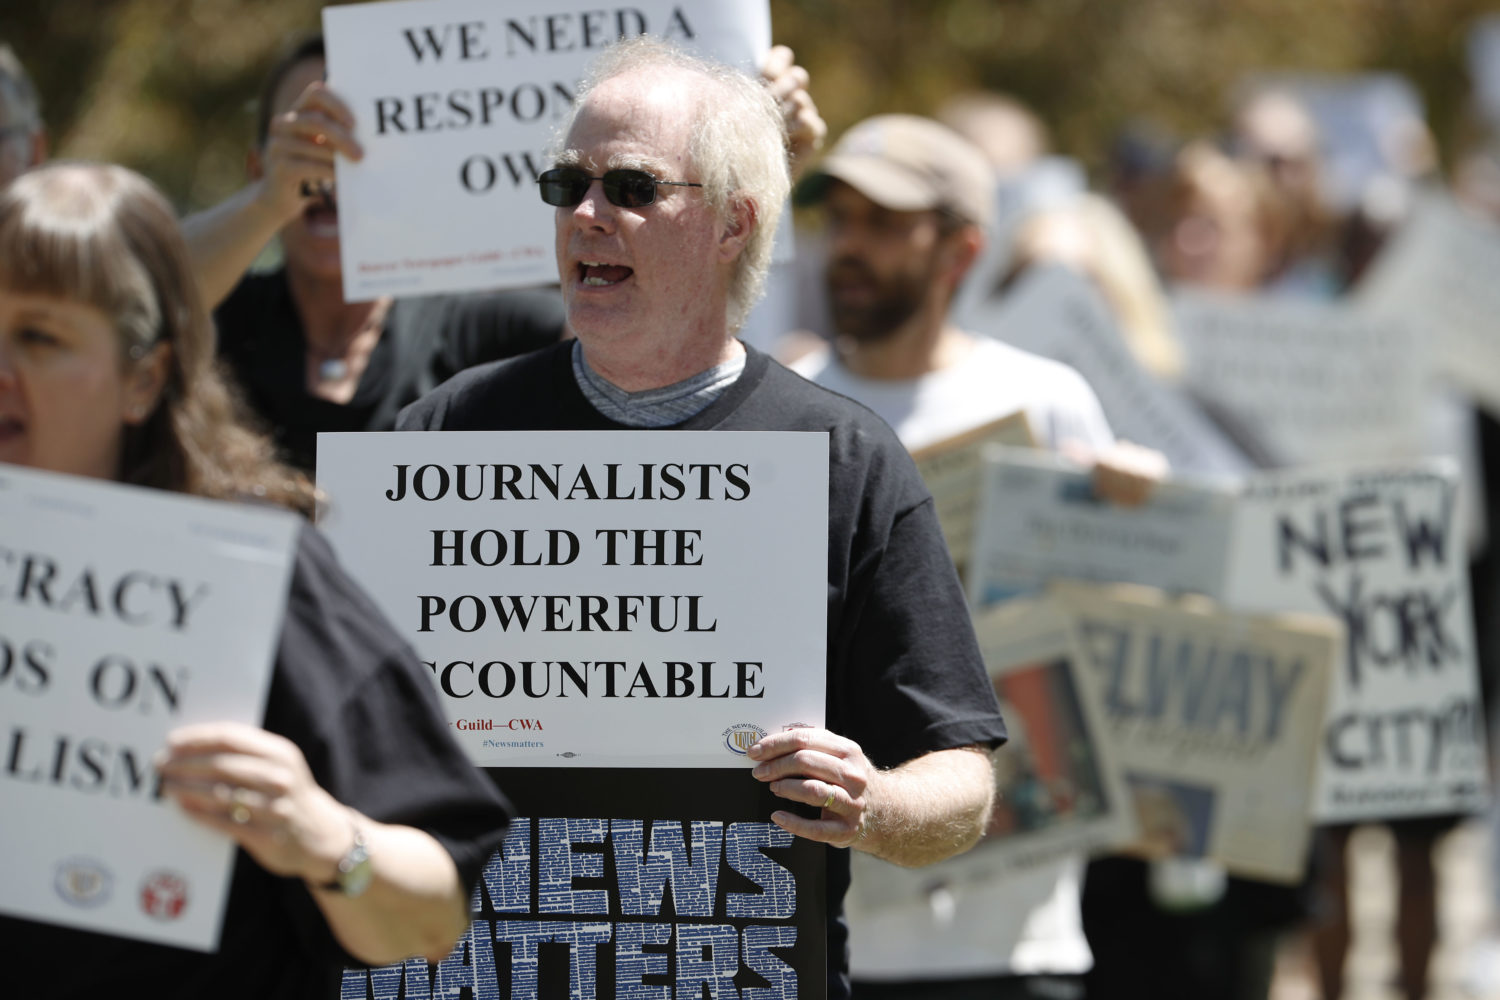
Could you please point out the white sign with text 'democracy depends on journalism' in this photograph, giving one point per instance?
(456, 103)
(124, 613)
(597, 599)
(1379, 548)
(1308, 382)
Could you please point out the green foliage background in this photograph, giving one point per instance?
(166, 86)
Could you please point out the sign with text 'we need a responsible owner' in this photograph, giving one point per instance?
(455, 104)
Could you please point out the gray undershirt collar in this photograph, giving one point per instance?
(663, 407)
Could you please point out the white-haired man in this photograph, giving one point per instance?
(667, 189)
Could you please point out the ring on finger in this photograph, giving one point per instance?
(828, 802)
(239, 812)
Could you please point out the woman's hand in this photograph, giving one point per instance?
(296, 163)
(256, 787)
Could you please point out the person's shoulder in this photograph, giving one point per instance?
(477, 396)
(330, 620)
(860, 444)
(802, 400)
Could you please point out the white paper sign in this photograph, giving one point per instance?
(1054, 313)
(1438, 276)
(1039, 520)
(1215, 721)
(1382, 551)
(455, 103)
(597, 599)
(1057, 793)
(1309, 382)
(124, 613)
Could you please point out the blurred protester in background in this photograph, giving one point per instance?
(1090, 236)
(1027, 178)
(1009, 134)
(1223, 227)
(306, 359)
(23, 136)
(906, 203)
(352, 849)
(1174, 928)
(1271, 128)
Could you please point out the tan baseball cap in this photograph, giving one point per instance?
(907, 163)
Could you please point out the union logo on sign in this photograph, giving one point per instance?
(164, 895)
(82, 881)
(739, 738)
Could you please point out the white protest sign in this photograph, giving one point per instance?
(124, 613)
(1055, 313)
(1437, 274)
(597, 599)
(1214, 720)
(1039, 520)
(1057, 793)
(1309, 382)
(455, 103)
(953, 470)
(1381, 550)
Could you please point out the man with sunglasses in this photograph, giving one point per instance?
(667, 188)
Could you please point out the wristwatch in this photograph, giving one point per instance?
(354, 869)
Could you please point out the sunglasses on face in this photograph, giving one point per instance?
(567, 186)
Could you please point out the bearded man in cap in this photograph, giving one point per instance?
(907, 202)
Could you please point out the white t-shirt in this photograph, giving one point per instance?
(992, 381)
(1030, 923)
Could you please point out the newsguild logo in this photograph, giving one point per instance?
(741, 736)
(82, 882)
(164, 895)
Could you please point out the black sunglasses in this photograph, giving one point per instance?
(567, 186)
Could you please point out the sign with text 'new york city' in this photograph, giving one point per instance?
(455, 104)
(1381, 550)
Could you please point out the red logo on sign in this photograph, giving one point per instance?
(164, 895)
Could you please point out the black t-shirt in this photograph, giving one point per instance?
(425, 341)
(904, 674)
(350, 693)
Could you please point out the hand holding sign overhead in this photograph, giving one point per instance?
(297, 161)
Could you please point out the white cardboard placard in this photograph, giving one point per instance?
(124, 613)
(562, 652)
(455, 103)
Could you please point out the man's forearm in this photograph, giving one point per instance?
(929, 808)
